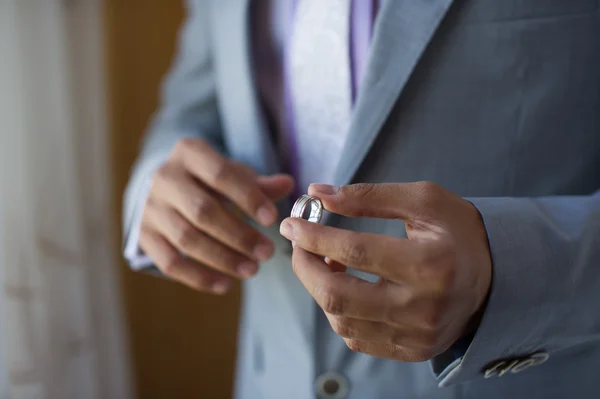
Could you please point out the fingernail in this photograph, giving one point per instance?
(221, 286)
(266, 215)
(247, 269)
(287, 230)
(264, 250)
(324, 189)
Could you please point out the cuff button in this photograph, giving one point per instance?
(514, 366)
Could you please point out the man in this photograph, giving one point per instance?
(485, 288)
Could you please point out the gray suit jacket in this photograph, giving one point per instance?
(496, 100)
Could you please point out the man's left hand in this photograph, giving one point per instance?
(432, 286)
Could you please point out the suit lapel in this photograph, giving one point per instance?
(244, 126)
(402, 32)
(246, 134)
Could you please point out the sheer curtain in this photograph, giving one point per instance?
(61, 328)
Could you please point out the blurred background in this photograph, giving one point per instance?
(79, 80)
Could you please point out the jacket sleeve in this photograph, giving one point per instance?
(188, 109)
(546, 282)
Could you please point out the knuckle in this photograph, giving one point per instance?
(397, 338)
(433, 317)
(186, 237)
(162, 173)
(360, 190)
(396, 312)
(356, 253)
(435, 266)
(429, 193)
(220, 171)
(447, 278)
(311, 243)
(163, 179)
(331, 301)
(171, 264)
(343, 327)
(355, 194)
(441, 271)
(203, 208)
(427, 189)
(355, 345)
(395, 317)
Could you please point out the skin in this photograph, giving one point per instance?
(191, 225)
(433, 285)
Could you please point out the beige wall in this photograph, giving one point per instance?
(183, 343)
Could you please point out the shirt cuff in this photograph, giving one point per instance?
(454, 354)
(137, 259)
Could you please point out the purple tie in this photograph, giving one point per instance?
(315, 137)
(320, 86)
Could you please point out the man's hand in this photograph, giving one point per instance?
(433, 285)
(188, 228)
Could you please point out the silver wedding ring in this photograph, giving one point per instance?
(308, 208)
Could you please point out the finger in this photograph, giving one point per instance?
(379, 332)
(229, 179)
(340, 293)
(363, 330)
(207, 214)
(172, 264)
(392, 352)
(276, 187)
(190, 241)
(388, 257)
(406, 201)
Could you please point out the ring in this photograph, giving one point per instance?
(308, 208)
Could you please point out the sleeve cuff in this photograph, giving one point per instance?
(515, 321)
(132, 251)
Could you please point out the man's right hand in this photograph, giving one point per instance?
(189, 228)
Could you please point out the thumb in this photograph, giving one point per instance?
(405, 201)
(276, 187)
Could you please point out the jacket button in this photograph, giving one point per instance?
(331, 385)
